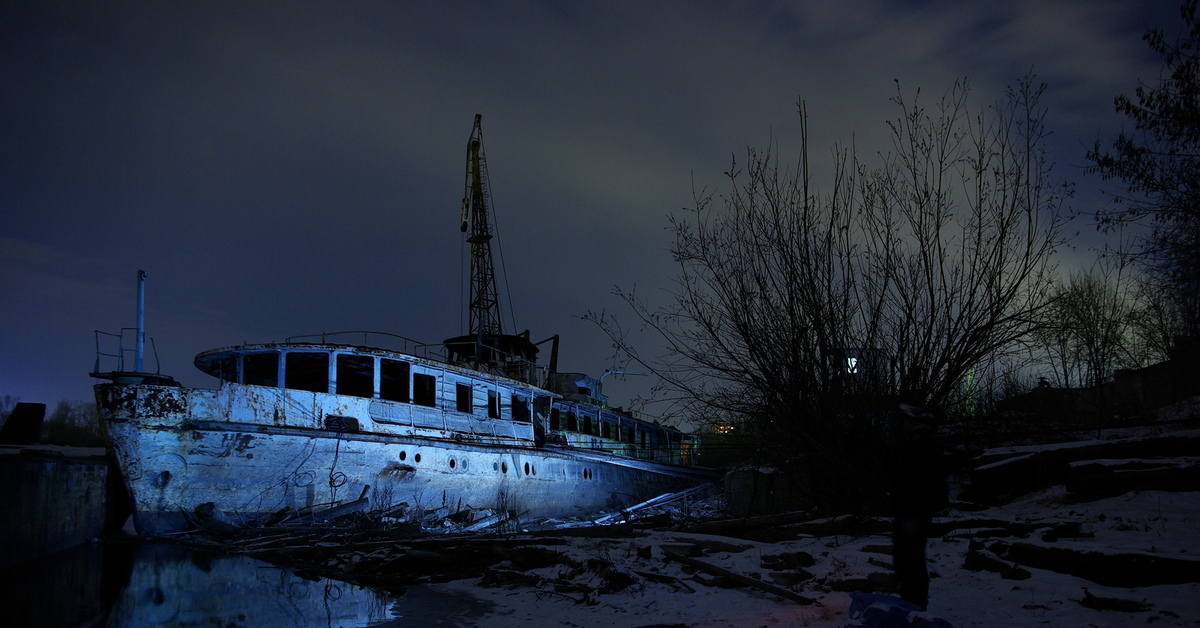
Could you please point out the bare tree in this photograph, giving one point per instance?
(791, 307)
(960, 224)
(1157, 319)
(1089, 329)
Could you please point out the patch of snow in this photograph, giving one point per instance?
(1154, 522)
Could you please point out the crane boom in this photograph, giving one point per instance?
(476, 208)
(486, 346)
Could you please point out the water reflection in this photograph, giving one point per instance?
(168, 585)
(175, 586)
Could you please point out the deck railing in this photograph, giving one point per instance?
(112, 353)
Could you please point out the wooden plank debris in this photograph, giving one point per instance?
(656, 502)
(739, 578)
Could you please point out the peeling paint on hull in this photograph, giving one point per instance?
(254, 451)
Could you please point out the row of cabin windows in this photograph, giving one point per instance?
(588, 425)
(464, 398)
(355, 376)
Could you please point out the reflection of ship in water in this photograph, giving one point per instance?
(176, 586)
(117, 585)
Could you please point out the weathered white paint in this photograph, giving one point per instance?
(253, 451)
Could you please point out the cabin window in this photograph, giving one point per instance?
(493, 404)
(463, 394)
(306, 371)
(261, 369)
(425, 390)
(630, 434)
(356, 375)
(572, 422)
(555, 420)
(393, 380)
(226, 369)
(605, 430)
(587, 425)
(520, 409)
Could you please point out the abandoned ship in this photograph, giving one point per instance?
(382, 423)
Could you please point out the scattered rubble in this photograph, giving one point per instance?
(676, 547)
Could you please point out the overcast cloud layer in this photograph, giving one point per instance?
(282, 168)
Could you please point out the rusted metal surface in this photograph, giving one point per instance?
(54, 498)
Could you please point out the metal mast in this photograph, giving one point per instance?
(485, 346)
(476, 205)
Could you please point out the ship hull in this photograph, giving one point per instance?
(179, 449)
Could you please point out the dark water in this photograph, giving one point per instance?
(167, 585)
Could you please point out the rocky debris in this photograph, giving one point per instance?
(1110, 568)
(539, 561)
(787, 560)
(981, 558)
(1001, 475)
(737, 578)
(1107, 477)
(1113, 604)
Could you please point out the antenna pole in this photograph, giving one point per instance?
(140, 350)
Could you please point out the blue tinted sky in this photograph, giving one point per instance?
(283, 168)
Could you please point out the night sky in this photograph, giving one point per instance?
(283, 168)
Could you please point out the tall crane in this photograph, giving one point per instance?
(486, 346)
(476, 207)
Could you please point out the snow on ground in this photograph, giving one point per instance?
(1154, 522)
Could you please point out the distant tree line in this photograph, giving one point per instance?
(73, 423)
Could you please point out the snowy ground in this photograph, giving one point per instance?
(1153, 522)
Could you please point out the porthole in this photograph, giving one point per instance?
(526, 468)
(504, 467)
(452, 463)
(495, 466)
(403, 455)
(463, 464)
(417, 458)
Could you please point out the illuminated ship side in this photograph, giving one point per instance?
(301, 427)
(384, 424)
